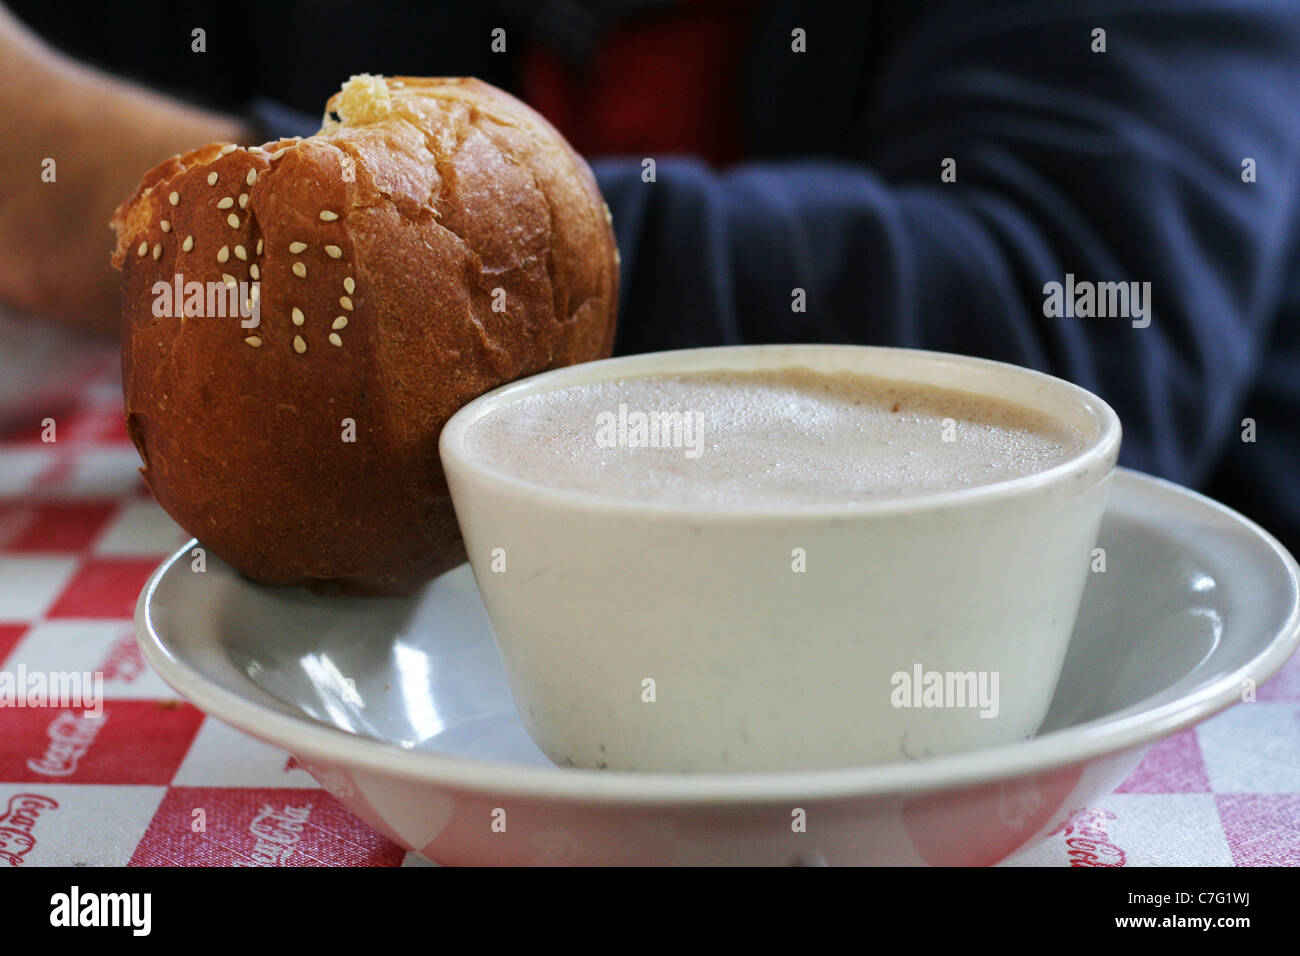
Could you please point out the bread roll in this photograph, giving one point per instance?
(437, 238)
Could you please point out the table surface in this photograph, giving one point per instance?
(79, 534)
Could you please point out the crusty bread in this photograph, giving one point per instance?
(393, 232)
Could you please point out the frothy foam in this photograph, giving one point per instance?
(766, 438)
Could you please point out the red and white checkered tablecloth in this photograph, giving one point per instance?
(79, 534)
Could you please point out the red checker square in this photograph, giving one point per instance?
(77, 426)
(10, 634)
(103, 424)
(1285, 684)
(116, 434)
(104, 588)
(30, 432)
(242, 826)
(131, 742)
(56, 527)
(15, 520)
(1174, 765)
(1262, 829)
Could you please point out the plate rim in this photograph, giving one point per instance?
(1069, 746)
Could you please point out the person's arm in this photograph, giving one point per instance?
(1116, 166)
(102, 134)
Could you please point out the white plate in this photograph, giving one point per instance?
(399, 708)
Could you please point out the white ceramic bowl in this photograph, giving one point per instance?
(650, 636)
(400, 709)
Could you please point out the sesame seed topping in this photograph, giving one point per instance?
(334, 252)
(299, 345)
(157, 250)
(228, 279)
(345, 302)
(254, 271)
(144, 249)
(349, 285)
(241, 253)
(166, 226)
(255, 149)
(256, 291)
(174, 198)
(226, 203)
(233, 220)
(188, 244)
(243, 200)
(297, 247)
(327, 216)
(340, 323)
(609, 216)
(335, 340)
(278, 153)
(248, 305)
(223, 254)
(618, 260)
(298, 317)
(227, 150)
(252, 175)
(300, 270)
(259, 248)
(212, 179)
(254, 341)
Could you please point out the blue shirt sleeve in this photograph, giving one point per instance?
(1116, 166)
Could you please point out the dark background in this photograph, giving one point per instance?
(820, 171)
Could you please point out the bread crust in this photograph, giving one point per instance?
(451, 197)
